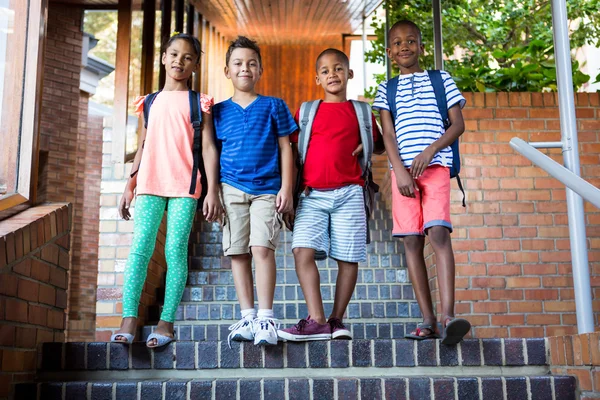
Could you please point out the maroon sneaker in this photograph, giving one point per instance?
(305, 330)
(338, 329)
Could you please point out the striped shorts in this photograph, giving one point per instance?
(333, 221)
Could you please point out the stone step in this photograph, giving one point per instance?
(216, 310)
(364, 291)
(392, 328)
(388, 356)
(392, 260)
(297, 388)
(288, 276)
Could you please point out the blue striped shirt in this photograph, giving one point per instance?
(418, 121)
(249, 138)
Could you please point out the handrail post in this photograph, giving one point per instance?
(568, 127)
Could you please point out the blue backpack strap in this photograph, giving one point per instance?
(391, 90)
(363, 114)
(147, 104)
(308, 110)
(196, 119)
(440, 97)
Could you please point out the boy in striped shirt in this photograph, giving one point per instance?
(418, 147)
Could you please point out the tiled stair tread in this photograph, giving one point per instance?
(363, 329)
(397, 388)
(380, 353)
(204, 311)
(288, 276)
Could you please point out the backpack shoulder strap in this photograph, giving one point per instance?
(196, 120)
(391, 90)
(440, 94)
(363, 114)
(147, 104)
(308, 110)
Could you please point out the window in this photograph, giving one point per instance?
(20, 65)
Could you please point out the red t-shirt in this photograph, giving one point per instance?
(335, 135)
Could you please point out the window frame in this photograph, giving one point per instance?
(26, 189)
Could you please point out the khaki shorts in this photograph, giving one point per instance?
(250, 220)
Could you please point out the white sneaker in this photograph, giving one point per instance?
(241, 331)
(265, 331)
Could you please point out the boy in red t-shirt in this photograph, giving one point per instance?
(331, 212)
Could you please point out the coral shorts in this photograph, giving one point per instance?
(430, 207)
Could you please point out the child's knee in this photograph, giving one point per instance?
(439, 236)
(262, 253)
(414, 243)
(303, 255)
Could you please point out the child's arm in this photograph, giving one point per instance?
(457, 127)
(284, 197)
(212, 207)
(132, 181)
(404, 181)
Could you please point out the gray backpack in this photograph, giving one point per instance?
(308, 110)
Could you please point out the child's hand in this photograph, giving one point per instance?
(358, 150)
(125, 203)
(406, 184)
(284, 202)
(288, 219)
(212, 208)
(421, 162)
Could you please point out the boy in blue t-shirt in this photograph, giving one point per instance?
(256, 178)
(418, 147)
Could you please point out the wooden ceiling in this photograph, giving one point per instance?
(286, 21)
(273, 21)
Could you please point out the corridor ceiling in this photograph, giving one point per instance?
(273, 21)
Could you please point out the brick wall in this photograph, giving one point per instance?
(578, 355)
(34, 266)
(114, 244)
(70, 159)
(511, 243)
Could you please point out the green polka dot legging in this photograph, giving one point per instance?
(149, 211)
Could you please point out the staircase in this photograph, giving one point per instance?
(377, 364)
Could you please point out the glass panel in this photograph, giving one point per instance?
(13, 34)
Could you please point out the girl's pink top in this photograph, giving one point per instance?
(167, 160)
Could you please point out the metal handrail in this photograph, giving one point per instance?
(579, 185)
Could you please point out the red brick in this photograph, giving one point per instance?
(10, 247)
(517, 183)
(501, 220)
(493, 332)
(535, 220)
(28, 290)
(468, 245)
(522, 282)
(47, 295)
(40, 270)
(18, 244)
(503, 244)
(484, 208)
(539, 269)
(495, 125)
(557, 281)
(556, 256)
(499, 195)
(7, 335)
(16, 310)
(488, 282)
(525, 306)
(487, 257)
(541, 294)
(58, 277)
(44, 335)
(517, 208)
(8, 284)
(506, 294)
(504, 270)
(56, 319)
(470, 270)
(584, 378)
(47, 229)
(482, 233)
(508, 320)
(462, 295)
(61, 299)
(490, 307)
(526, 332)
(523, 256)
(26, 337)
(50, 254)
(543, 319)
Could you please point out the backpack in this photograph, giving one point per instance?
(440, 97)
(196, 119)
(308, 111)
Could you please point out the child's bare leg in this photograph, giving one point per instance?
(310, 281)
(439, 237)
(241, 268)
(414, 246)
(344, 287)
(264, 263)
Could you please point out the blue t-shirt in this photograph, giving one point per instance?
(418, 121)
(249, 138)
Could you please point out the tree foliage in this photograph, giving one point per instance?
(504, 45)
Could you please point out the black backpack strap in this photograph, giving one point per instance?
(147, 104)
(196, 117)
